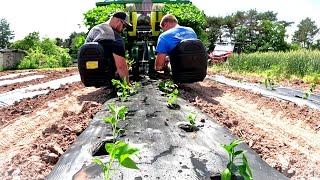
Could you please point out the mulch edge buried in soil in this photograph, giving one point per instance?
(37, 160)
(49, 75)
(285, 94)
(164, 148)
(29, 105)
(273, 150)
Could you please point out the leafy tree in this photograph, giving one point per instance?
(100, 14)
(253, 31)
(41, 53)
(307, 30)
(5, 33)
(77, 39)
(46, 54)
(59, 42)
(188, 15)
(316, 45)
(213, 30)
(271, 36)
(32, 40)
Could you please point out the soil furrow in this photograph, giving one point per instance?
(49, 75)
(284, 142)
(32, 144)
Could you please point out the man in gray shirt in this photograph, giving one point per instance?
(111, 30)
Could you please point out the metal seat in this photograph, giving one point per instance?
(96, 63)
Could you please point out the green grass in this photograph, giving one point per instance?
(301, 64)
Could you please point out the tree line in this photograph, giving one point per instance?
(254, 31)
(251, 30)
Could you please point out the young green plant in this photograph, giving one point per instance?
(118, 150)
(124, 89)
(172, 97)
(191, 117)
(243, 169)
(167, 86)
(268, 83)
(309, 91)
(118, 113)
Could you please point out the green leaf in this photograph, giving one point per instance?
(226, 174)
(111, 107)
(244, 173)
(175, 91)
(128, 163)
(235, 143)
(122, 112)
(109, 119)
(124, 149)
(227, 147)
(100, 163)
(128, 151)
(110, 147)
(245, 162)
(238, 153)
(191, 118)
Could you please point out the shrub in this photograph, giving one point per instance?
(188, 15)
(39, 58)
(42, 54)
(31, 41)
(100, 14)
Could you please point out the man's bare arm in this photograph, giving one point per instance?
(160, 62)
(122, 67)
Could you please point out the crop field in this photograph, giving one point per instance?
(35, 131)
(277, 65)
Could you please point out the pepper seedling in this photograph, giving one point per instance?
(243, 169)
(268, 83)
(117, 113)
(309, 91)
(191, 117)
(118, 150)
(124, 90)
(167, 86)
(172, 97)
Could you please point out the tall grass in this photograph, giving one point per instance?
(298, 63)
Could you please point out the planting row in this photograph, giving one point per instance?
(168, 138)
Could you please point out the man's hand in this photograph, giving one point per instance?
(122, 67)
(160, 62)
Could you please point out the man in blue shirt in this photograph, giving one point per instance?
(173, 34)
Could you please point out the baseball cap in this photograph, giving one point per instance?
(124, 16)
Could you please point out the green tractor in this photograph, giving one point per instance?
(145, 17)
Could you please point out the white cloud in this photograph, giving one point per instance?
(59, 18)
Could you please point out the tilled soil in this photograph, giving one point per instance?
(282, 133)
(293, 83)
(36, 131)
(49, 75)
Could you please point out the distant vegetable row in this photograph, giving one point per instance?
(300, 63)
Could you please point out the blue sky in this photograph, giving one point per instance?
(58, 18)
